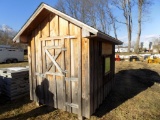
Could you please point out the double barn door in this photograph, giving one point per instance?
(57, 72)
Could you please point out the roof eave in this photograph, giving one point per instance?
(109, 38)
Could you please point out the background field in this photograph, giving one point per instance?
(136, 95)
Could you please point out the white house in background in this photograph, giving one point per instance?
(123, 49)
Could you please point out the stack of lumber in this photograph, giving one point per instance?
(14, 82)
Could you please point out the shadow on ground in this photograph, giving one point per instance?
(7, 105)
(128, 84)
(33, 113)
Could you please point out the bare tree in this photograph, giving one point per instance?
(61, 6)
(73, 8)
(91, 7)
(126, 7)
(143, 5)
(103, 20)
(112, 19)
(84, 7)
(94, 13)
(83, 10)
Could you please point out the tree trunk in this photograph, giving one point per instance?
(130, 25)
(129, 38)
(127, 13)
(115, 30)
(129, 30)
(140, 2)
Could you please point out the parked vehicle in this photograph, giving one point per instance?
(153, 59)
(133, 58)
(10, 54)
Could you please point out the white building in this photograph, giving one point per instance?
(123, 49)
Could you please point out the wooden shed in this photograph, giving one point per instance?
(71, 65)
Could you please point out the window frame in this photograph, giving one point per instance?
(107, 68)
(104, 64)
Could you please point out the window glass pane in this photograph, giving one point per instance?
(107, 64)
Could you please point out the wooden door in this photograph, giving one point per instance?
(51, 72)
(57, 79)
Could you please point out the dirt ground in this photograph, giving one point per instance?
(136, 95)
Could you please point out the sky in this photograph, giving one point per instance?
(15, 13)
(150, 28)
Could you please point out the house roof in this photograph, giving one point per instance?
(43, 10)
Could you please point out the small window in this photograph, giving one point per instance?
(107, 64)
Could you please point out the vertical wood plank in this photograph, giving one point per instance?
(101, 72)
(58, 79)
(30, 70)
(85, 78)
(33, 66)
(40, 63)
(45, 59)
(95, 74)
(37, 62)
(74, 85)
(91, 76)
(98, 74)
(68, 68)
(84, 75)
(63, 30)
(94, 65)
(88, 93)
(43, 67)
(80, 75)
(50, 92)
(113, 57)
(75, 47)
(54, 32)
(63, 77)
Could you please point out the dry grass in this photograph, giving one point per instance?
(20, 64)
(135, 96)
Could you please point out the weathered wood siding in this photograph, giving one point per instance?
(106, 48)
(100, 84)
(85, 78)
(53, 90)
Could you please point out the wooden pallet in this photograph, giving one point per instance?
(14, 84)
